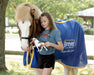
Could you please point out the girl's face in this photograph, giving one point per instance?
(44, 22)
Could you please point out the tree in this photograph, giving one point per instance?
(3, 5)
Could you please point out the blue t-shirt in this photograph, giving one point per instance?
(53, 37)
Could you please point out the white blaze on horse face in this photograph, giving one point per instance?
(24, 27)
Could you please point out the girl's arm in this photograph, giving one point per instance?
(58, 46)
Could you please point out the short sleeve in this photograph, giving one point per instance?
(57, 36)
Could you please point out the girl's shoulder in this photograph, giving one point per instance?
(55, 30)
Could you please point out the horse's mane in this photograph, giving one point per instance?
(23, 12)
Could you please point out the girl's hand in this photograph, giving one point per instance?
(47, 44)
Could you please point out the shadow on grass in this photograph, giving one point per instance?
(7, 73)
(12, 72)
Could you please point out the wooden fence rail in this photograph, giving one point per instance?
(9, 52)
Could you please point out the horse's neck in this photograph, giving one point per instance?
(36, 28)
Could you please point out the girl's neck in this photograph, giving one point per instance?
(47, 28)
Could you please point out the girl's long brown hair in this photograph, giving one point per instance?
(51, 22)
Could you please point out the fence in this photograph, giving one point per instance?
(21, 53)
(12, 28)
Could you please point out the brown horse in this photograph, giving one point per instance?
(27, 16)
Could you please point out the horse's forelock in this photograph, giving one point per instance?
(23, 13)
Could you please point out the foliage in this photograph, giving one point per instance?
(58, 8)
(90, 31)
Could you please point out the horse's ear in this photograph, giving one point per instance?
(14, 6)
(32, 11)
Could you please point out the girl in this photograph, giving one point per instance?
(51, 37)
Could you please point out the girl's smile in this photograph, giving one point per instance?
(45, 22)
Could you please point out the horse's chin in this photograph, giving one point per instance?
(24, 45)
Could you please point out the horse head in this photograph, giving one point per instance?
(27, 16)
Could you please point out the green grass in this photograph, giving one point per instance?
(15, 67)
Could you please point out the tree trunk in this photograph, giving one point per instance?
(3, 5)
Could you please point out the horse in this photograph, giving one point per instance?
(27, 22)
(74, 54)
(27, 16)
